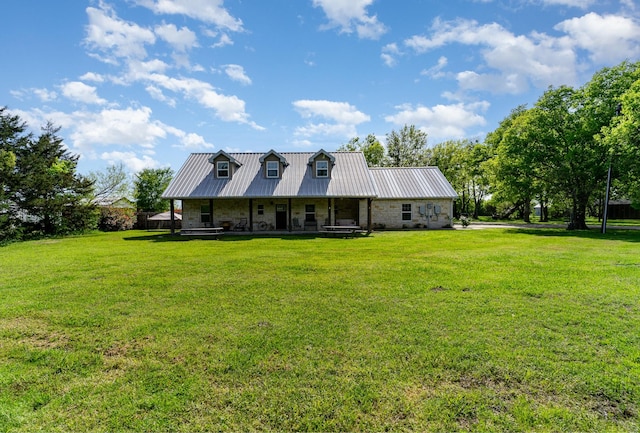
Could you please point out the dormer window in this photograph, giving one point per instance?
(322, 168)
(273, 169)
(222, 169)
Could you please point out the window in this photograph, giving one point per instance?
(406, 212)
(260, 209)
(223, 168)
(310, 212)
(322, 169)
(272, 169)
(205, 214)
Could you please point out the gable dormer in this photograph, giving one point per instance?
(224, 165)
(273, 164)
(321, 164)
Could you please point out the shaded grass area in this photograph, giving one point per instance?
(499, 330)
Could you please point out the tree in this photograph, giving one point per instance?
(622, 137)
(555, 144)
(112, 182)
(463, 163)
(149, 186)
(371, 148)
(55, 199)
(407, 148)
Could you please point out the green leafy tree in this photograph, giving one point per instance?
(463, 163)
(371, 148)
(554, 149)
(149, 186)
(407, 147)
(52, 196)
(622, 137)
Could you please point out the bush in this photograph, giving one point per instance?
(113, 219)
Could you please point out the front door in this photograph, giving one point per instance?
(281, 217)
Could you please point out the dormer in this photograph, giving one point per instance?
(321, 164)
(273, 164)
(224, 165)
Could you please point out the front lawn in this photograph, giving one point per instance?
(492, 330)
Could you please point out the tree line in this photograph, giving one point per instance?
(557, 153)
(42, 194)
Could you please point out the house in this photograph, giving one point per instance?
(306, 191)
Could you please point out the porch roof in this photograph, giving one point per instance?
(350, 177)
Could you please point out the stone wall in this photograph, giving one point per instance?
(388, 214)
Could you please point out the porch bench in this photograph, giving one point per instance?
(203, 231)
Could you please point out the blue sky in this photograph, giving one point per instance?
(146, 82)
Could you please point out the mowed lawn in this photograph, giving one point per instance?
(453, 330)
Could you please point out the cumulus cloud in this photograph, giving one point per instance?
(131, 160)
(208, 11)
(236, 73)
(441, 121)
(80, 92)
(180, 39)
(350, 16)
(513, 63)
(608, 38)
(114, 37)
(342, 116)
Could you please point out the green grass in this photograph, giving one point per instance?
(479, 330)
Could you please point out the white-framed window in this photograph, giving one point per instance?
(322, 169)
(273, 169)
(406, 212)
(222, 168)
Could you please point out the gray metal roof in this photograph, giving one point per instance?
(413, 183)
(350, 177)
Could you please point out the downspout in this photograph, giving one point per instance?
(369, 201)
(289, 224)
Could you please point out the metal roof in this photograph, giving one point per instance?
(350, 177)
(411, 183)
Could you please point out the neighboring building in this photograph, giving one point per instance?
(305, 191)
(115, 202)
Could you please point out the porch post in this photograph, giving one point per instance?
(211, 212)
(329, 211)
(369, 201)
(173, 218)
(250, 214)
(289, 215)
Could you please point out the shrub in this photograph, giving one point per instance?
(113, 219)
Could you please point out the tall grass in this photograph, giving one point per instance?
(494, 330)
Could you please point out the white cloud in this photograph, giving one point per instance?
(181, 40)
(236, 73)
(350, 16)
(45, 95)
(227, 108)
(345, 118)
(193, 142)
(130, 160)
(223, 41)
(390, 53)
(436, 71)
(208, 11)
(608, 39)
(582, 4)
(80, 92)
(518, 60)
(92, 76)
(441, 121)
(115, 37)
